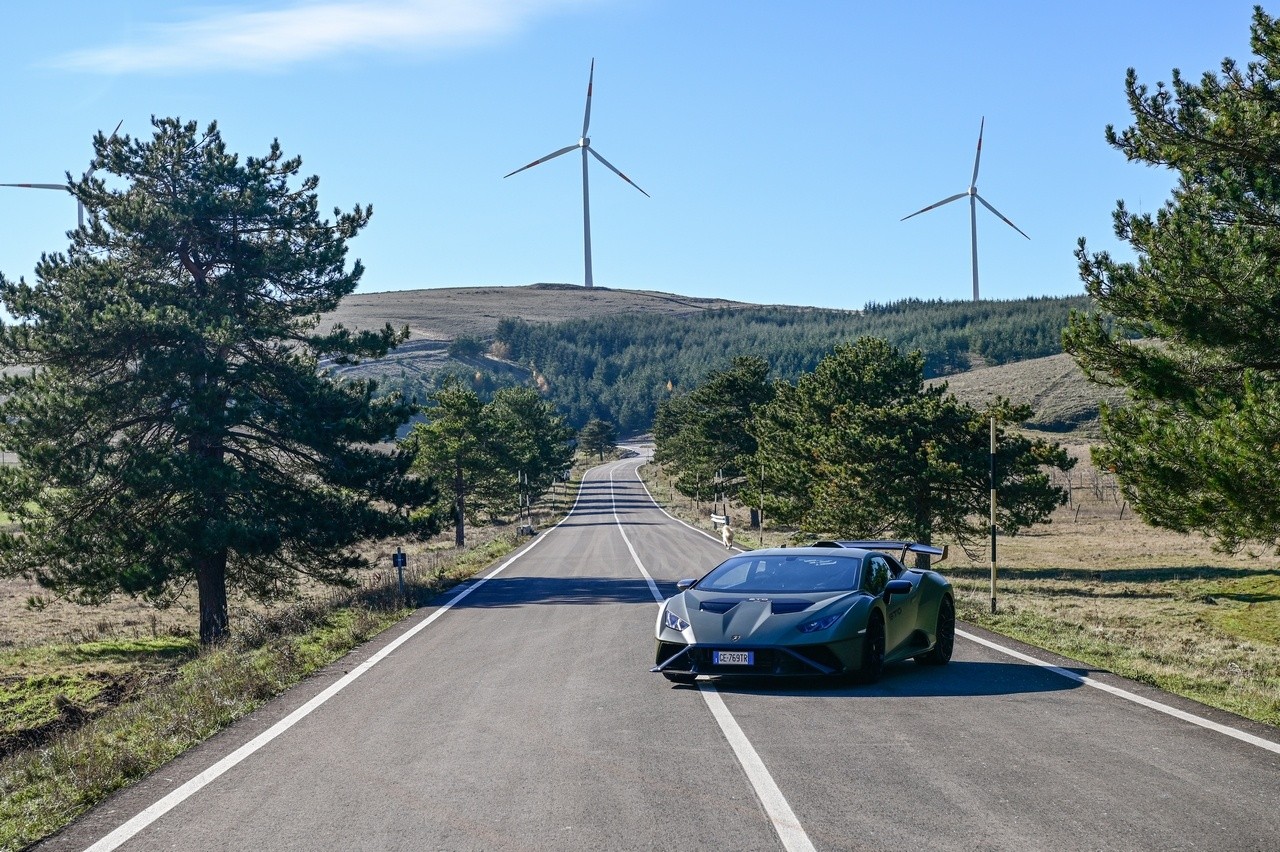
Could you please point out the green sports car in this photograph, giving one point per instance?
(841, 608)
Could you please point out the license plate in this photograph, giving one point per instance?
(733, 658)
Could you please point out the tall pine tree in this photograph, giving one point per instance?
(1196, 446)
(172, 415)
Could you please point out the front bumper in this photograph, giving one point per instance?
(833, 658)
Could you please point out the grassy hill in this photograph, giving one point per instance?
(446, 313)
(1055, 387)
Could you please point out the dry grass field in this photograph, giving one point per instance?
(1063, 400)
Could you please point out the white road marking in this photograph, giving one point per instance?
(784, 820)
(658, 506)
(191, 787)
(1235, 733)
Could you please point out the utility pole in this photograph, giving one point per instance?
(991, 474)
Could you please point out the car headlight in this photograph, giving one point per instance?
(674, 621)
(820, 623)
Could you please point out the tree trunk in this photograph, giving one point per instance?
(211, 579)
(459, 506)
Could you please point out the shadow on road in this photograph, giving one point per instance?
(909, 680)
(524, 591)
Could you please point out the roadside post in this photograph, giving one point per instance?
(398, 560)
(991, 475)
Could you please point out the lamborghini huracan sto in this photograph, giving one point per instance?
(840, 608)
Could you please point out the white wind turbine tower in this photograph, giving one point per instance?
(585, 144)
(974, 198)
(63, 186)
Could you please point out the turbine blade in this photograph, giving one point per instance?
(931, 206)
(89, 173)
(610, 167)
(1001, 215)
(586, 116)
(978, 156)
(38, 185)
(566, 149)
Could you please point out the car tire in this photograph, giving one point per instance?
(680, 677)
(872, 663)
(944, 636)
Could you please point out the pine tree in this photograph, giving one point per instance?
(1196, 446)
(862, 448)
(705, 434)
(172, 415)
(457, 448)
(598, 437)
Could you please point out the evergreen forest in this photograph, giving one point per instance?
(620, 368)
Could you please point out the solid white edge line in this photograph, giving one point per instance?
(783, 819)
(1129, 696)
(658, 506)
(1235, 733)
(177, 796)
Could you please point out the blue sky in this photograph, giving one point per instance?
(781, 142)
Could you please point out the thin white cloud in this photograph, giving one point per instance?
(272, 39)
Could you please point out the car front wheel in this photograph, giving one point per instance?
(872, 650)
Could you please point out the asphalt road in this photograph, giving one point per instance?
(523, 716)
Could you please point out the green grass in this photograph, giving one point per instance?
(1212, 639)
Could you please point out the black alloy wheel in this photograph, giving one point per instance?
(872, 650)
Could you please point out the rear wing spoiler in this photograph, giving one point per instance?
(903, 547)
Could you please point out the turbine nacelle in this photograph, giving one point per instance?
(584, 142)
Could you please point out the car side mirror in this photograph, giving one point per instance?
(681, 585)
(897, 587)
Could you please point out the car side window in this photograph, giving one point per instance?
(895, 568)
(877, 574)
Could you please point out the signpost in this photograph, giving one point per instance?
(398, 560)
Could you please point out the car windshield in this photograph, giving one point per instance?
(781, 573)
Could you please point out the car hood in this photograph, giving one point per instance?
(759, 618)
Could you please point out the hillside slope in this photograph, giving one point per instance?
(1055, 387)
(446, 313)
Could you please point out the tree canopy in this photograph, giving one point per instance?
(704, 435)
(1195, 448)
(480, 452)
(862, 448)
(171, 411)
(598, 437)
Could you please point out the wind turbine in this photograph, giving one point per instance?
(63, 186)
(974, 198)
(584, 143)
